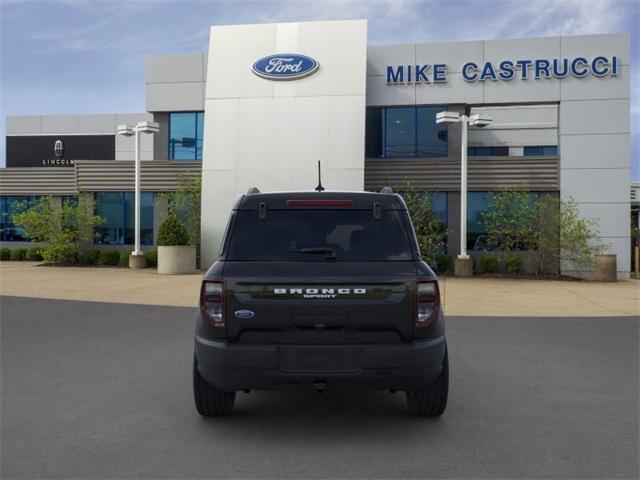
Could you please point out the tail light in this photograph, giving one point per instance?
(212, 303)
(427, 303)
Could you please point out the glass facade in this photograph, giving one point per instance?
(405, 132)
(488, 151)
(10, 205)
(541, 151)
(439, 205)
(185, 135)
(117, 212)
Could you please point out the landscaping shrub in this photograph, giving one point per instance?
(18, 253)
(443, 263)
(489, 262)
(90, 257)
(62, 228)
(109, 257)
(34, 254)
(5, 254)
(151, 258)
(513, 263)
(172, 232)
(124, 258)
(431, 232)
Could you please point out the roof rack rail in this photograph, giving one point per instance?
(387, 190)
(253, 190)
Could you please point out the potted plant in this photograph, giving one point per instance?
(175, 255)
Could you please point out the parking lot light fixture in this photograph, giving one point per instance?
(477, 120)
(136, 259)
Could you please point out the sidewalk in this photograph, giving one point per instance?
(461, 296)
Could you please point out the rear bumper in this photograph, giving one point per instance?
(232, 367)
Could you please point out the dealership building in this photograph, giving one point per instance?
(267, 101)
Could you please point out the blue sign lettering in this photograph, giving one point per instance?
(285, 66)
(506, 70)
(396, 76)
(470, 66)
(439, 73)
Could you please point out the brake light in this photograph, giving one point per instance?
(212, 303)
(427, 303)
(320, 203)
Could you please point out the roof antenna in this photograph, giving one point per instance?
(319, 188)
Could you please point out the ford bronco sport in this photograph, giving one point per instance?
(320, 291)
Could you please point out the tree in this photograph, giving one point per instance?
(509, 219)
(62, 227)
(184, 203)
(430, 230)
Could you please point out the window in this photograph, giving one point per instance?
(439, 205)
(185, 135)
(320, 235)
(405, 132)
(117, 212)
(541, 151)
(400, 127)
(432, 136)
(10, 232)
(488, 151)
(477, 203)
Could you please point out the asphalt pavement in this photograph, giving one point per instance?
(102, 390)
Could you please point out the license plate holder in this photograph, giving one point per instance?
(320, 358)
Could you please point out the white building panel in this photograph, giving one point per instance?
(595, 151)
(520, 91)
(175, 97)
(281, 125)
(453, 54)
(594, 117)
(593, 88)
(381, 94)
(596, 185)
(521, 49)
(455, 90)
(100, 124)
(175, 68)
(23, 125)
(613, 221)
(59, 124)
(380, 56)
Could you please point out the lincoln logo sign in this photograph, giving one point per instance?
(285, 66)
(58, 148)
(506, 70)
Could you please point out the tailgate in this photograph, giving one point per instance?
(328, 303)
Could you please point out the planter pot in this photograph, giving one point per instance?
(606, 268)
(177, 259)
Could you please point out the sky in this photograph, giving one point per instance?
(87, 56)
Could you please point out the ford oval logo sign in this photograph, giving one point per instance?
(244, 314)
(285, 66)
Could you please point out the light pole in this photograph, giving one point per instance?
(463, 264)
(136, 259)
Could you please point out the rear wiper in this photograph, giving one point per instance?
(329, 252)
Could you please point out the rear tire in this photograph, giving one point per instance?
(432, 401)
(210, 402)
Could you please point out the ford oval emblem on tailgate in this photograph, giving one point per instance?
(244, 314)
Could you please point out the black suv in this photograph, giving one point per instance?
(320, 291)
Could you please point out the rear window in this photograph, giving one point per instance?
(320, 235)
